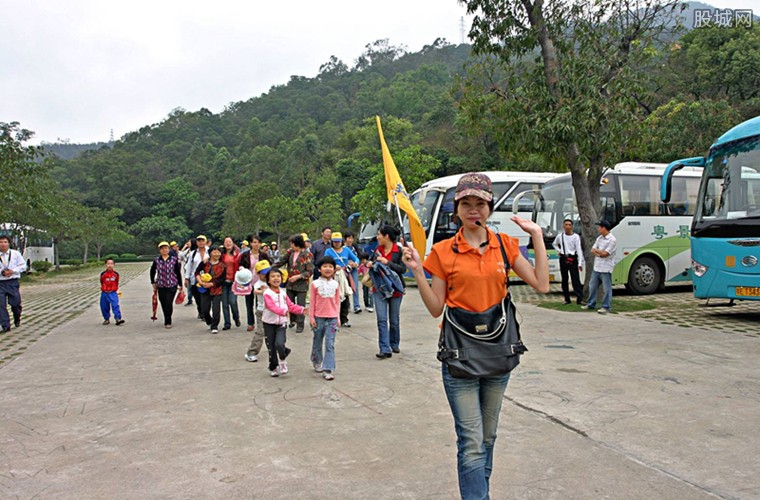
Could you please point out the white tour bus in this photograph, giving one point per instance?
(434, 203)
(653, 240)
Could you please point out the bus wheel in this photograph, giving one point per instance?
(645, 276)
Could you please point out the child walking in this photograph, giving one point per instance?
(262, 269)
(323, 316)
(277, 304)
(109, 294)
(366, 290)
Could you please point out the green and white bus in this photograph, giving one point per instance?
(652, 237)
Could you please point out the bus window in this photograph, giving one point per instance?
(608, 201)
(750, 180)
(445, 227)
(713, 197)
(637, 195)
(424, 204)
(684, 198)
(499, 188)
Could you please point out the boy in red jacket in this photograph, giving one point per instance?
(109, 294)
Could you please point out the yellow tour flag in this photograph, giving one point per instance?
(398, 196)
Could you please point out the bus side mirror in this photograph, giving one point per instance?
(516, 201)
(666, 186)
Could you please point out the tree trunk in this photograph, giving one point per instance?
(84, 257)
(586, 183)
(55, 256)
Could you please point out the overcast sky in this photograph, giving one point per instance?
(77, 69)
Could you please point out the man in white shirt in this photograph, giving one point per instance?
(12, 264)
(568, 246)
(604, 261)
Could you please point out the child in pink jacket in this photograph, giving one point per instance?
(275, 319)
(325, 309)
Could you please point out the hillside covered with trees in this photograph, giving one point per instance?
(306, 153)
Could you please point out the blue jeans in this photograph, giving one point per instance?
(475, 405)
(357, 291)
(229, 302)
(387, 312)
(368, 302)
(593, 287)
(325, 331)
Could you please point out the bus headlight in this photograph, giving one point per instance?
(698, 269)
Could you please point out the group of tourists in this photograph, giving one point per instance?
(322, 280)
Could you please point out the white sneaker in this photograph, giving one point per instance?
(275, 373)
(214, 330)
(251, 357)
(328, 376)
(283, 367)
(586, 306)
(318, 368)
(603, 311)
(371, 309)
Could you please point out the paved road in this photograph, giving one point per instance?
(602, 407)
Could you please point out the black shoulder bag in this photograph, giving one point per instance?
(485, 344)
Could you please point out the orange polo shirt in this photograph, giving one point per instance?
(473, 281)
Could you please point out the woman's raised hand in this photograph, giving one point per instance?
(528, 226)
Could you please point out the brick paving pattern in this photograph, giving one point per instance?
(675, 306)
(59, 299)
(55, 301)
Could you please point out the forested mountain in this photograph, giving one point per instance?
(310, 135)
(306, 152)
(69, 151)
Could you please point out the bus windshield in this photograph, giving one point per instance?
(555, 204)
(731, 184)
(424, 203)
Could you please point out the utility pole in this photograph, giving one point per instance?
(110, 141)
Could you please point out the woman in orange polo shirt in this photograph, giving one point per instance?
(468, 272)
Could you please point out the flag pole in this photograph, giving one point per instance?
(398, 212)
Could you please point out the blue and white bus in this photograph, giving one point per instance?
(725, 232)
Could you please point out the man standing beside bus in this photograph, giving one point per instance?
(12, 264)
(604, 261)
(568, 246)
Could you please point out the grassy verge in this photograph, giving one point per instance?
(619, 305)
(40, 277)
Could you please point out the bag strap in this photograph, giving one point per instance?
(507, 266)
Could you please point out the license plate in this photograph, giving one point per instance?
(748, 291)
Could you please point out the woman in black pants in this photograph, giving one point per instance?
(166, 277)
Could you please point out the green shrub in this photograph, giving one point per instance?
(111, 256)
(71, 262)
(128, 256)
(42, 266)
